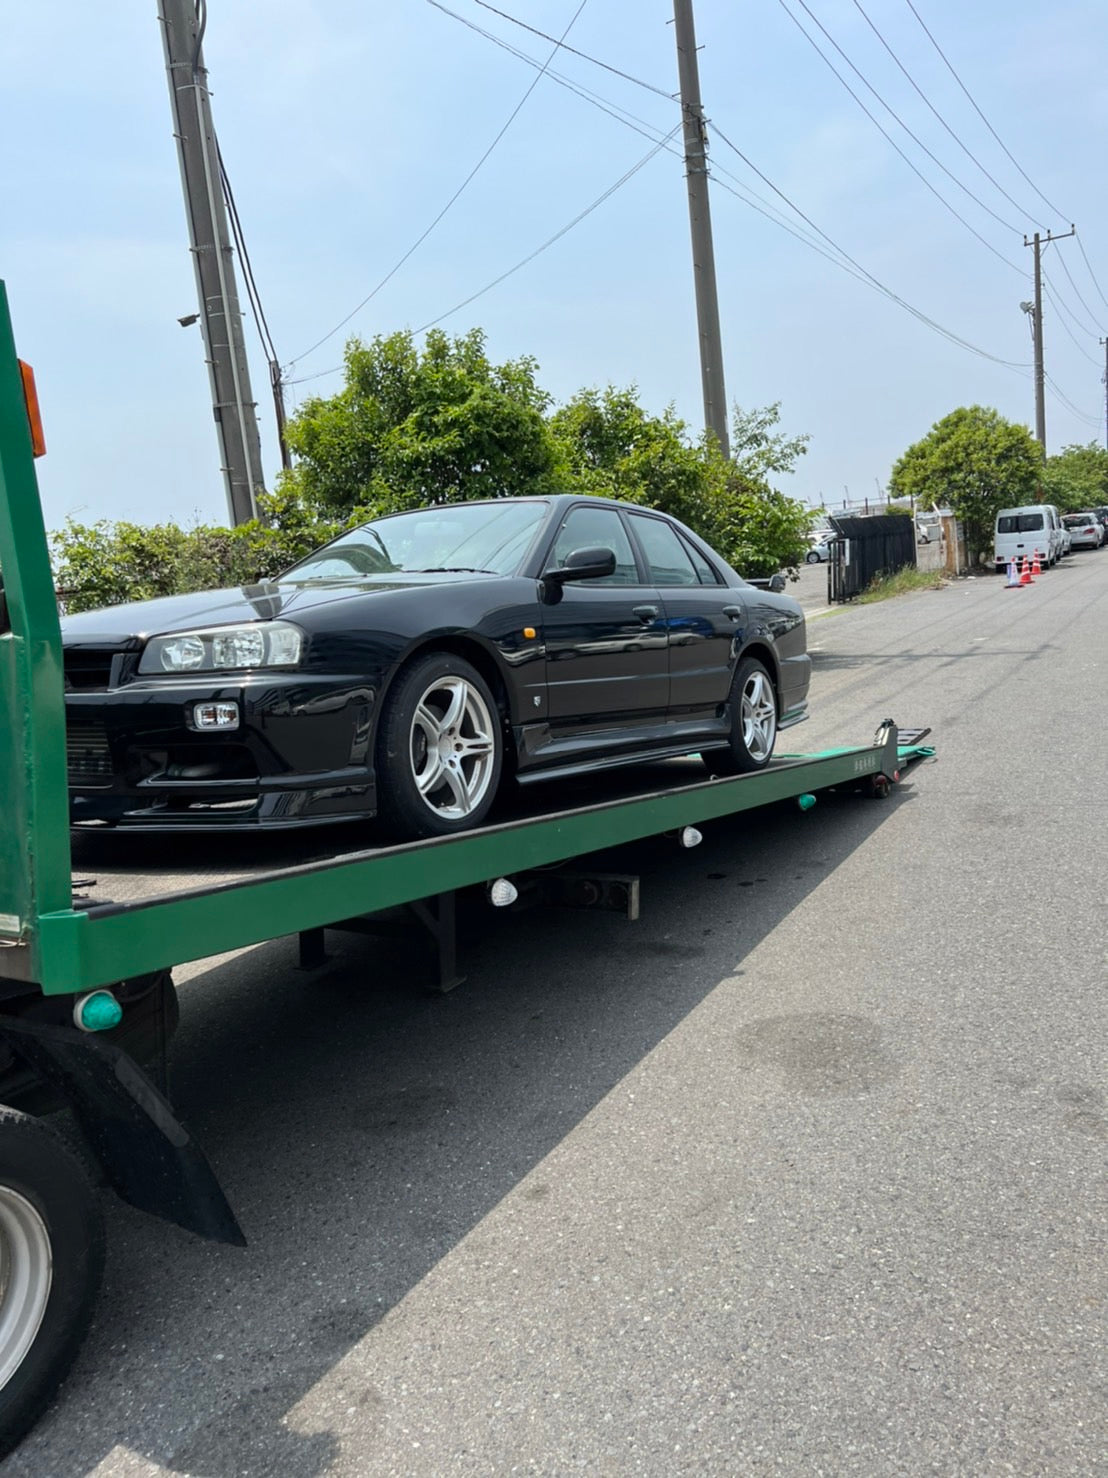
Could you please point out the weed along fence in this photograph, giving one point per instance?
(865, 548)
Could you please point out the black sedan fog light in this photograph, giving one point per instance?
(215, 715)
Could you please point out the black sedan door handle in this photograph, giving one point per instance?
(646, 614)
(735, 612)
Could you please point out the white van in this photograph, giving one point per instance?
(1033, 529)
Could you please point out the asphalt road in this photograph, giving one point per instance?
(802, 1173)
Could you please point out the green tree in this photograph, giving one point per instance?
(412, 427)
(1076, 478)
(610, 446)
(975, 462)
(106, 564)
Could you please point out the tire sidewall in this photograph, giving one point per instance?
(742, 759)
(399, 802)
(37, 1163)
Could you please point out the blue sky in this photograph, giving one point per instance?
(346, 128)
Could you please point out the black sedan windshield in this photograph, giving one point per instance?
(486, 538)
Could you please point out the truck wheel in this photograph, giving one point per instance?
(51, 1260)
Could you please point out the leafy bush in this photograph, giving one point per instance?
(412, 427)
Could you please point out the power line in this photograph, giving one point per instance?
(880, 286)
(244, 256)
(1065, 400)
(1092, 274)
(888, 137)
(627, 77)
(1080, 299)
(422, 238)
(613, 110)
(550, 241)
(977, 110)
(600, 199)
(961, 144)
(1060, 309)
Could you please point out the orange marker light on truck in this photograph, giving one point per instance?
(34, 415)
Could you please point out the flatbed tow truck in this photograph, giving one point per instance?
(89, 933)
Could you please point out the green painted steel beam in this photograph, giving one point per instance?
(80, 951)
(35, 874)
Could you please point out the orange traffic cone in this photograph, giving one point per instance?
(1036, 567)
(1025, 573)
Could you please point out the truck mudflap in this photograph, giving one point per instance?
(146, 1153)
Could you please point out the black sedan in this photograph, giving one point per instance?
(410, 666)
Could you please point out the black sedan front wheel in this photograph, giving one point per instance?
(753, 722)
(441, 749)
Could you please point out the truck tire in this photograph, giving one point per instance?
(51, 1261)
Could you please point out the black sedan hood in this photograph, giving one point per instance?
(269, 601)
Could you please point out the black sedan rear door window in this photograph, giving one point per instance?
(666, 557)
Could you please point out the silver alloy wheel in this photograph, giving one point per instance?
(452, 748)
(26, 1276)
(759, 715)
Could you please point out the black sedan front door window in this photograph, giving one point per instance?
(605, 638)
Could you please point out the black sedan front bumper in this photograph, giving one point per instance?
(301, 753)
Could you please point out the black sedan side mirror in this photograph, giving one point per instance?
(777, 582)
(583, 564)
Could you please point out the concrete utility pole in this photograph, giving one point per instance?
(700, 224)
(1037, 332)
(221, 320)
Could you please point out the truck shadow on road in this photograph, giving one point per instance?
(362, 1126)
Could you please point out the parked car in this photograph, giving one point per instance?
(820, 551)
(1033, 529)
(929, 529)
(1067, 542)
(1102, 515)
(1085, 530)
(411, 665)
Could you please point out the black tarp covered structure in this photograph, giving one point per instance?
(866, 546)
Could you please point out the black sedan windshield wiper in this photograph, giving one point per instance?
(451, 570)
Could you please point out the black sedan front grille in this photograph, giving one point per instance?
(88, 755)
(90, 669)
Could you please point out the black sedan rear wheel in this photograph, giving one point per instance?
(441, 749)
(753, 722)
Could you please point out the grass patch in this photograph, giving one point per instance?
(884, 587)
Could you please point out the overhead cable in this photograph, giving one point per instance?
(530, 257)
(457, 193)
(880, 286)
(927, 101)
(890, 140)
(977, 110)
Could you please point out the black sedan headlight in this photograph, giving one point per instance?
(225, 649)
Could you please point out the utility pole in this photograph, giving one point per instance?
(1037, 332)
(700, 225)
(220, 317)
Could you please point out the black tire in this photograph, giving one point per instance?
(45, 1191)
(471, 755)
(753, 706)
(811, 558)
